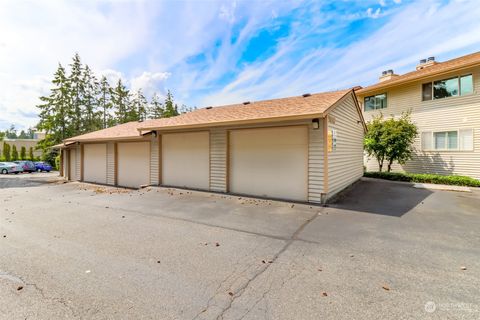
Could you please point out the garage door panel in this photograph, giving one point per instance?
(133, 164)
(95, 163)
(270, 162)
(186, 159)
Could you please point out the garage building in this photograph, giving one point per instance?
(305, 148)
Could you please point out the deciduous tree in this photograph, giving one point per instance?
(390, 140)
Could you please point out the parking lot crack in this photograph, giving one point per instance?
(244, 287)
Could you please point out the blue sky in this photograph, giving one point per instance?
(218, 52)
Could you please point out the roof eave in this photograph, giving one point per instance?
(396, 83)
(139, 137)
(233, 123)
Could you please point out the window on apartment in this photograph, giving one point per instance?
(451, 87)
(378, 101)
(461, 140)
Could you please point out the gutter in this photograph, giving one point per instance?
(235, 122)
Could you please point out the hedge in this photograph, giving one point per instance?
(425, 178)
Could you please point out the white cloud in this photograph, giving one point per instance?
(411, 34)
(150, 83)
(112, 76)
(382, 3)
(36, 36)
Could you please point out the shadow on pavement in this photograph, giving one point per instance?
(381, 197)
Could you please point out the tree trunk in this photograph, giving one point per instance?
(389, 166)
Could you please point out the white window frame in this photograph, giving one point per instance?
(460, 94)
(457, 149)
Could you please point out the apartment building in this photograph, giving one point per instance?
(444, 101)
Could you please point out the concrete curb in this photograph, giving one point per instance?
(444, 187)
(429, 186)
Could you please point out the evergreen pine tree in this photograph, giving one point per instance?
(171, 109)
(105, 102)
(91, 116)
(121, 102)
(30, 154)
(77, 88)
(156, 109)
(139, 106)
(6, 152)
(23, 153)
(55, 111)
(14, 153)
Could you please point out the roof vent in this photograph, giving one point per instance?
(306, 95)
(208, 108)
(246, 102)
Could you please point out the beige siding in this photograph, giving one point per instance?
(436, 115)
(155, 161)
(65, 164)
(78, 158)
(111, 163)
(72, 163)
(345, 162)
(218, 160)
(315, 163)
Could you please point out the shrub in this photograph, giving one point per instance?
(425, 178)
(390, 139)
(57, 162)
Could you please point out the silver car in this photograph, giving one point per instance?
(10, 167)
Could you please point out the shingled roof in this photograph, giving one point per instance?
(433, 70)
(299, 107)
(127, 130)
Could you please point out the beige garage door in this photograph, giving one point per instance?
(185, 160)
(72, 166)
(95, 163)
(270, 162)
(133, 164)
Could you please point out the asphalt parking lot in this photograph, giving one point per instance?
(384, 251)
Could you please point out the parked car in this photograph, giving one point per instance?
(28, 166)
(43, 166)
(10, 167)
